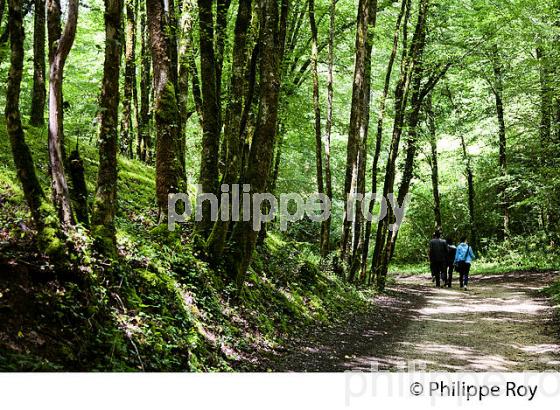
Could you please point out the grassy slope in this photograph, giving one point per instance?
(163, 308)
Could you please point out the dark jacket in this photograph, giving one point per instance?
(438, 251)
(451, 251)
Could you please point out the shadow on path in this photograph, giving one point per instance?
(501, 324)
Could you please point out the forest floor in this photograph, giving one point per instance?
(502, 323)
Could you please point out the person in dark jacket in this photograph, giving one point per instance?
(438, 258)
(451, 251)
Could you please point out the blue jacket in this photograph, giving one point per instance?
(464, 253)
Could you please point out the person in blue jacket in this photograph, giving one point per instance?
(463, 259)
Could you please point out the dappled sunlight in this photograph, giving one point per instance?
(465, 358)
(491, 305)
(499, 325)
(432, 319)
(540, 349)
(491, 327)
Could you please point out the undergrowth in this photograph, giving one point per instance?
(161, 307)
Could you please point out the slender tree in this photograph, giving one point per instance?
(420, 89)
(60, 45)
(357, 134)
(38, 96)
(358, 228)
(498, 90)
(105, 205)
(470, 176)
(143, 149)
(317, 112)
(185, 50)
(129, 106)
(23, 159)
(326, 226)
(545, 75)
(404, 13)
(408, 61)
(432, 133)
(2, 9)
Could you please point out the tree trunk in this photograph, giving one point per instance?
(419, 92)
(233, 137)
(470, 181)
(145, 141)
(2, 8)
(405, 7)
(272, 39)
(20, 151)
(499, 95)
(105, 205)
(434, 162)
(221, 34)
(326, 225)
(359, 228)
(410, 58)
(129, 80)
(357, 135)
(471, 193)
(317, 112)
(38, 97)
(209, 171)
(545, 129)
(167, 121)
(59, 49)
(185, 51)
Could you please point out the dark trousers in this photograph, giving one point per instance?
(463, 268)
(450, 269)
(439, 270)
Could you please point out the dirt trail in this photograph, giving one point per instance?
(501, 324)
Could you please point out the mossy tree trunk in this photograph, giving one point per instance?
(272, 38)
(143, 149)
(233, 138)
(105, 205)
(21, 153)
(40, 209)
(129, 108)
(185, 47)
(38, 97)
(209, 167)
(167, 120)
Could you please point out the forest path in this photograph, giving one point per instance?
(501, 323)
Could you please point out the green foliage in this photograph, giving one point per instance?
(157, 305)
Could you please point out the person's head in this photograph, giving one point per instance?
(437, 234)
(449, 240)
(464, 239)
